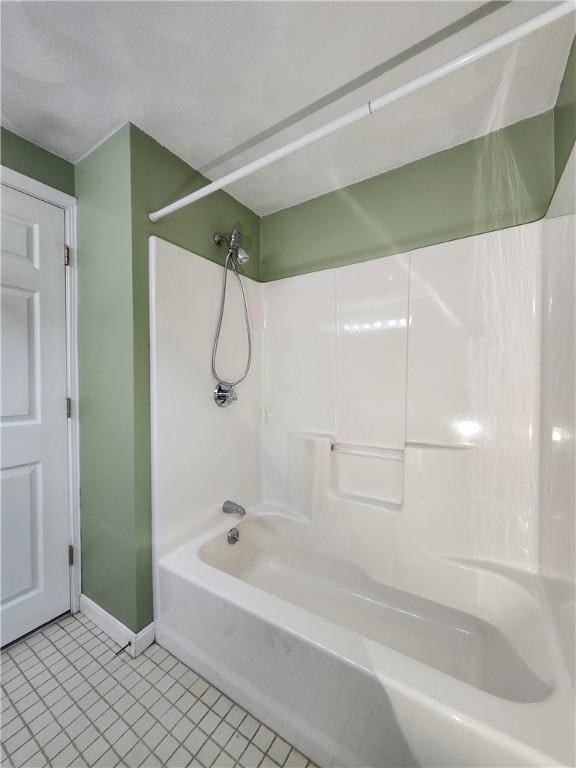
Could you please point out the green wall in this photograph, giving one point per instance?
(499, 180)
(118, 185)
(565, 114)
(110, 572)
(27, 158)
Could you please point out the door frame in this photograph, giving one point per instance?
(68, 204)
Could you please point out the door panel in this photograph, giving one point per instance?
(34, 472)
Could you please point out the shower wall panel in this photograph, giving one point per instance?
(334, 371)
(473, 391)
(203, 454)
(298, 378)
(558, 434)
(394, 403)
(371, 332)
(401, 406)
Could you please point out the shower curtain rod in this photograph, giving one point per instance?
(547, 17)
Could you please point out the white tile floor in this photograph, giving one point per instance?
(68, 700)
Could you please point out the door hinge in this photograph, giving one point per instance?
(68, 407)
(70, 554)
(66, 255)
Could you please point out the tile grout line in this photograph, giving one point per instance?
(74, 638)
(77, 704)
(120, 715)
(26, 725)
(84, 710)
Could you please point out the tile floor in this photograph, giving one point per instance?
(69, 700)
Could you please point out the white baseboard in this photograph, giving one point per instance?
(115, 630)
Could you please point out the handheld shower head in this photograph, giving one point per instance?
(241, 256)
(224, 393)
(234, 244)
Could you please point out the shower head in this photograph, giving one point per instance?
(241, 256)
(234, 244)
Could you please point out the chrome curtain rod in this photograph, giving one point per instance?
(513, 35)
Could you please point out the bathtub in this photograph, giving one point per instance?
(359, 673)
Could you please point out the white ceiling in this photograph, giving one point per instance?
(204, 77)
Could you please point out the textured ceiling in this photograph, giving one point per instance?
(206, 78)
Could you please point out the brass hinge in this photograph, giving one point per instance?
(68, 407)
(70, 554)
(66, 255)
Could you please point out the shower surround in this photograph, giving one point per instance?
(385, 604)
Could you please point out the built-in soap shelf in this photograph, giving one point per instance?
(367, 473)
(390, 454)
(429, 445)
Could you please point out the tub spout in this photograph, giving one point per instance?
(230, 507)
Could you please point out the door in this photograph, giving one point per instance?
(34, 518)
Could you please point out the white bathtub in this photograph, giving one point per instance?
(357, 673)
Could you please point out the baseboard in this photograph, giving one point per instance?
(115, 630)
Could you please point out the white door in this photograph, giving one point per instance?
(34, 519)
